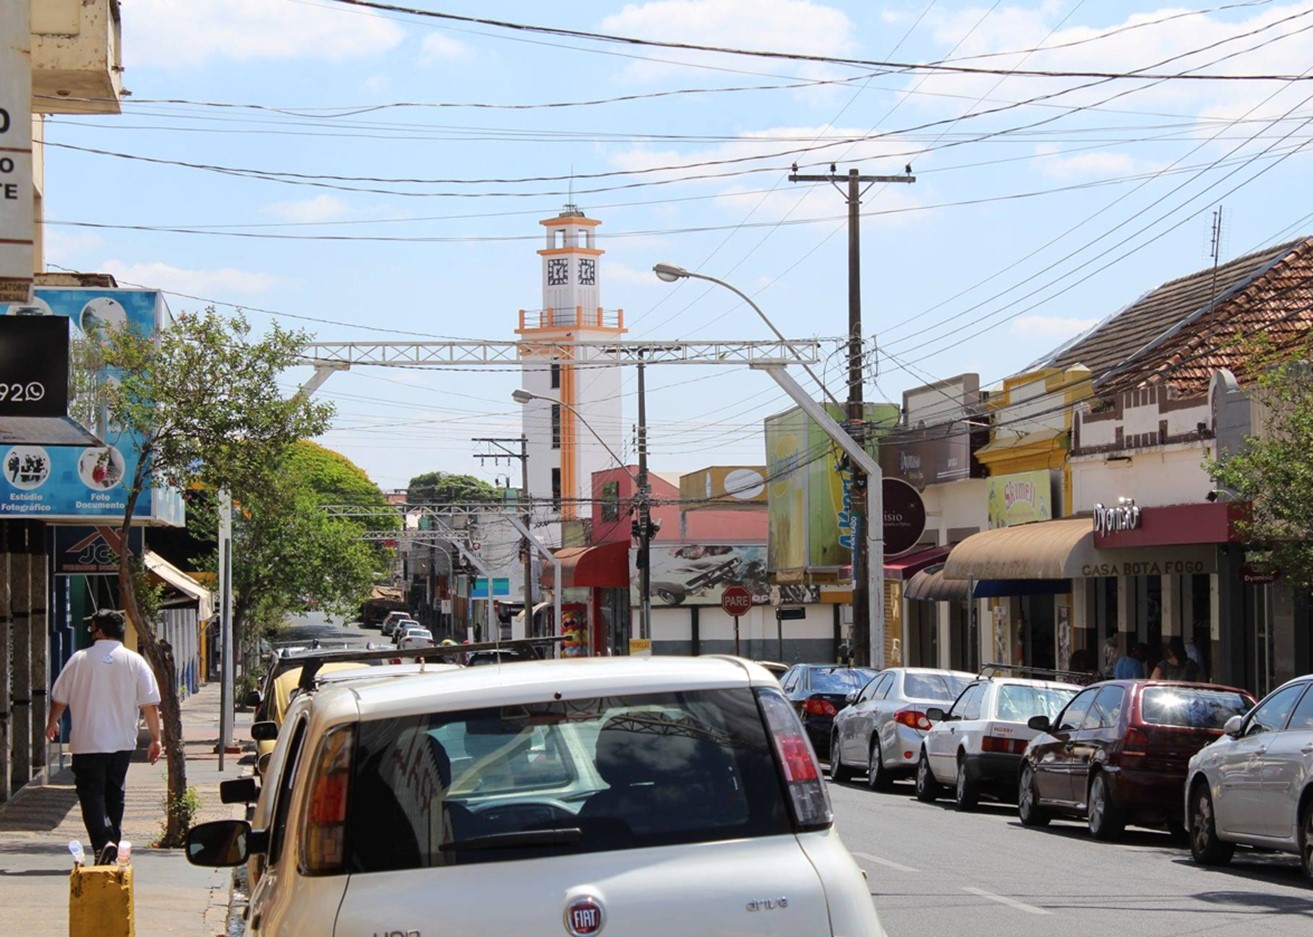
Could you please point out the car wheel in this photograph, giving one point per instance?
(1205, 847)
(1028, 808)
(927, 788)
(1105, 818)
(1306, 842)
(965, 795)
(839, 772)
(877, 778)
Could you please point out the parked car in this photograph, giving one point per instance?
(415, 636)
(976, 746)
(393, 620)
(882, 729)
(602, 786)
(1254, 785)
(817, 692)
(1118, 753)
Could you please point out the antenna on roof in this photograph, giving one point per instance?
(1216, 251)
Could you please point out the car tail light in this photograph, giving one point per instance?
(996, 743)
(818, 706)
(323, 841)
(798, 764)
(914, 718)
(1135, 742)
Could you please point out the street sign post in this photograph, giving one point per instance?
(736, 601)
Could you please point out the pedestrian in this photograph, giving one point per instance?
(1130, 666)
(1082, 667)
(104, 687)
(1176, 663)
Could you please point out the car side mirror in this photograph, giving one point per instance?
(223, 843)
(1232, 726)
(239, 791)
(1039, 723)
(851, 698)
(253, 699)
(934, 714)
(264, 731)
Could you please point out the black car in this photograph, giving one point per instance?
(817, 692)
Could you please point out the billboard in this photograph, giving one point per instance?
(33, 366)
(1019, 498)
(924, 457)
(85, 483)
(808, 496)
(89, 551)
(697, 573)
(720, 487)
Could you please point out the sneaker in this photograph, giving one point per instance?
(108, 854)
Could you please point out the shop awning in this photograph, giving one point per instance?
(1044, 550)
(929, 585)
(162, 569)
(605, 566)
(909, 564)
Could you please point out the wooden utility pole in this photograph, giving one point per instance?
(868, 571)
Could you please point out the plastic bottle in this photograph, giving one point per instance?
(75, 847)
(125, 854)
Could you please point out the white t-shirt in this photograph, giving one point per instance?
(104, 687)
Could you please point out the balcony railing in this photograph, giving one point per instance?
(575, 317)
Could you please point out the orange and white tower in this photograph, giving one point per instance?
(563, 454)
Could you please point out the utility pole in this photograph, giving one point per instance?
(503, 452)
(644, 523)
(868, 603)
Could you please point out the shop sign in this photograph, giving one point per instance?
(16, 204)
(33, 366)
(90, 551)
(904, 516)
(1259, 574)
(1125, 515)
(922, 460)
(1019, 498)
(1144, 568)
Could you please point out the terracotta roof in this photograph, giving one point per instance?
(1182, 331)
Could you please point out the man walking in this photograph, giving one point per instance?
(104, 687)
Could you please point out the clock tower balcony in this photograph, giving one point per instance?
(540, 321)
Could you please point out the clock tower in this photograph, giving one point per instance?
(562, 448)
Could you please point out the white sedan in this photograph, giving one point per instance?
(415, 637)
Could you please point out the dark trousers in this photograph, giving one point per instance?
(101, 780)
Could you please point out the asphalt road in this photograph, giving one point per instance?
(300, 630)
(934, 871)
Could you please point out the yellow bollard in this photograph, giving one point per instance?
(100, 902)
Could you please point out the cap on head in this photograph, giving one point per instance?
(109, 621)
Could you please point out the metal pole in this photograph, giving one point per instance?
(226, 680)
(529, 631)
(644, 516)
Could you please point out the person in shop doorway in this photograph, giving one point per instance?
(1176, 663)
(104, 687)
(1130, 666)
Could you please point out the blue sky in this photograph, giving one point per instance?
(1042, 203)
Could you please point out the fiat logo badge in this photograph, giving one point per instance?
(583, 916)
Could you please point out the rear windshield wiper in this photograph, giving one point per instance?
(566, 836)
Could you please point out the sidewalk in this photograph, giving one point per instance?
(171, 896)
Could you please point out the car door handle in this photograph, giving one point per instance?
(1307, 749)
(1261, 751)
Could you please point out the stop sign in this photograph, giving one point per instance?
(736, 600)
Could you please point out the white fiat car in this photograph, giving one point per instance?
(609, 795)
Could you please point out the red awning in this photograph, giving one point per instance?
(909, 564)
(605, 566)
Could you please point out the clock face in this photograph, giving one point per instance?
(558, 271)
(587, 272)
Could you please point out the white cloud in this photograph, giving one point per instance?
(616, 273)
(439, 47)
(219, 283)
(1055, 165)
(310, 210)
(797, 26)
(1050, 327)
(191, 33)
(62, 246)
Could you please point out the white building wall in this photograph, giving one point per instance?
(1153, 477)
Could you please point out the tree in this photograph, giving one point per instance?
(1274, 469)
(196, 405)
(446, 488)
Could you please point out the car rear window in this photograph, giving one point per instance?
(1018, 702)
(1192, 708)
(934, 686)
(561, 777)
(840, 681)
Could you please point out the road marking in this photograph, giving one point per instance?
(1010, 902)
(885, 862)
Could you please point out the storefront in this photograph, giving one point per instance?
(595, 597)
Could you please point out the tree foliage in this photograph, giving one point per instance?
(1274, 469)
(200, 407)
(447, 488)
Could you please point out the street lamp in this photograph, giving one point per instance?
(643, 496)
(868, 583)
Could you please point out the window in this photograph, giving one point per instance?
(1018, 702)
(590, 775)
(556, 376)
(283, 796)
(790, 679)
(610, 501)
(937, 687)
(556, 489)
(1106, 712)
(556, 426)
(1271, 714)
(839, 679)
(1302, 718)
(1074, 714)
(1197, 709)
(877, 688)
(968, 704)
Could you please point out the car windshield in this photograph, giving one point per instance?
(587, 775)
(1193, 708)
(1018, 702)
(840, 679)
(943, 687)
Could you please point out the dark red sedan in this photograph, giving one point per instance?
(1117, 753)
